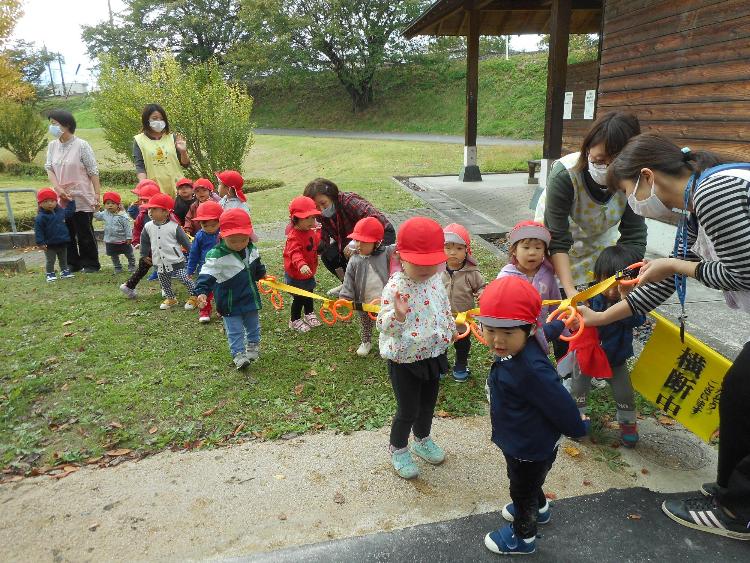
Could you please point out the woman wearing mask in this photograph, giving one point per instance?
(340, 212)
(158, 154)
(661, 181)
(73, 172)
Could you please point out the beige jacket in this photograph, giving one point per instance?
(463, 287)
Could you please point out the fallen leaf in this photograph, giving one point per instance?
(118, 452)
(338, 498)
(443, 414)
(634, 516)
(587, 483)
(67, 323)
(93, 527)
(93, 460)
(298, 389)
(317, 410)
(237, 430)
(153, 430)
(572, 451)
(666, 421)
(311, 373)
(279, 477)
(67, 470)
(115, 424)
(15, 479)
(68, 334)
(550, 496)
(64, 387)
(212, 410)
(101, 382)
(282, 517)
(645, 471)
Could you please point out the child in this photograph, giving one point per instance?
(230, 190)
(301, 259)
(416, 328)
(367, 273)
(231, 271)
(185, 198)
(52, 234)
(204, 191)
(135, 207)
(616, 341)
(529, 408)
(118, 234)
(162, 241)
(464, 283)
(208, 216)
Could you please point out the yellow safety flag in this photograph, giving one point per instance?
(682, 379)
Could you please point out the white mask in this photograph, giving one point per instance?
(157, 125)
(598, 173)
(55, 131)
(652, 207)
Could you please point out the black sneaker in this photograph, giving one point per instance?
(710, 489)
(705, 515)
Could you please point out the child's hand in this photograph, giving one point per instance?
(624, 290)
(454, 338)
(201, 301)
(584, 417)
(401, 305)
(575, 324)
(148, 261)
(348, 252)
(305, 270)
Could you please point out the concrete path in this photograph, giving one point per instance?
(412, 137)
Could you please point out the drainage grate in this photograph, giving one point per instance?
(407, 183)
(498, 239)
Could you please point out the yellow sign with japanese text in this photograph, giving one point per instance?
(682, 379)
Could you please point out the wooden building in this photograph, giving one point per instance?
(681, 67)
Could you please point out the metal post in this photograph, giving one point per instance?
(11, 219)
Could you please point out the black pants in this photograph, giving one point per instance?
(333, 259)
(526, 480)
(57, 252)
(140, 273)
(734, 438)
(463, 347)
(298, 303)
(82, 248)
(416, 387)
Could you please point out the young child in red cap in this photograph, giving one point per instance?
(162, 241)
(464, 284)
(231, 271)
(204, 191)
(301, 259)
(529, 407)
(205, 239)
(118, 233)
(367, 273)
(52, 234)
(416, 327)
(184, 198)
(230, 190)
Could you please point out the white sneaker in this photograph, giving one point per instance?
(241, 361)
(364, 349)
(204, 319)
(598, 383)
(336, 290)
(129, 293)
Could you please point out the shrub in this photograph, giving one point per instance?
(22, 130)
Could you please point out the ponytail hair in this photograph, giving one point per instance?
(657, 153)
(614, 129)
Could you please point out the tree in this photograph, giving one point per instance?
(194, 31)
(22, 130)
(213, 115)
(10, 12)
(353, 38)
(31, 62)
(13, 86)
(585, 46)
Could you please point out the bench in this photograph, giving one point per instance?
(534, 165)
(16, 265)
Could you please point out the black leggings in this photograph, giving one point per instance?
(734, 438)
(298, 302)
(415, 399)
(526, 480)
(462, 352)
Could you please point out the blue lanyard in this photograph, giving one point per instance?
(680, 251)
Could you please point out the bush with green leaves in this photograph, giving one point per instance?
(22, 130)
(212, 114)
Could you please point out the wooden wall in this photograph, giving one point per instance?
(682, 67)
(580, 77)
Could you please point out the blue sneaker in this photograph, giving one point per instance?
(404, 464)
(461, 374)
(545, 513)
(154, 276)
(428, 451)
(505, 542)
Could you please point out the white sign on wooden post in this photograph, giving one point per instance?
(589, 104)
(568, 105)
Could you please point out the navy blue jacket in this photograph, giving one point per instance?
(202, 243)
(50, 228)
(529, 407)
(616, 339)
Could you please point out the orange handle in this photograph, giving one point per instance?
(571, 314)
(634, 280)
(326, 310)
(277, 301)
(464, 334)
(347, 305)
(477, 333)
(263, 288)
(374, 316)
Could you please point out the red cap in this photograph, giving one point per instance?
(208, 211)
(458, 234)
(148, 191)
(236, 221)
(368, 229)
(508, 302)
(112, 196)
(233, 179)
(46, 193)
(529, 229)
(161, 201)
(302, 207)
(184, 182)
(142, 184)
(203, 183)
(420, 241)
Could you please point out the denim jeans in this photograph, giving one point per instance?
(242, 329)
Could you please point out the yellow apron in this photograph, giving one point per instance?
(162, 164)
(593, 225)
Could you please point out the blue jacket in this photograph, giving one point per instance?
(202, 243)
(233, 277)
(529, 407)
(50, 228)
(616, 339)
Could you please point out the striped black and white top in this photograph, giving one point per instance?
(722, 208)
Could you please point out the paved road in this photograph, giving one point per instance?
(419, 137)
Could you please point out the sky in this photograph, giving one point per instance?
(57, 24)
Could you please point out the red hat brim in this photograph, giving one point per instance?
(424, 258)
(363, 238)
(305, 214)
(206, 218)
(240, 231)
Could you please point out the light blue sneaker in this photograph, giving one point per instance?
(404, 464)
(545, 513)
(505, 542)
(461, 375)
(428, 451)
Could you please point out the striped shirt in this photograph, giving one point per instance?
(722, 208)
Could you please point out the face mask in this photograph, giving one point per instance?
(329, 211)
(157, 126)
(598, 173)
(55, 131)
(652, 207)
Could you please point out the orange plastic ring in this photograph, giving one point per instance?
(277, 301)
(265, 288)
(633, 281)
(374, 316)
(578, 332)
(330, 321)
(477, 333)
(570, 311)
(464, 334)
(347, 305)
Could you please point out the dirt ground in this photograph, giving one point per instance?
(263, 496)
